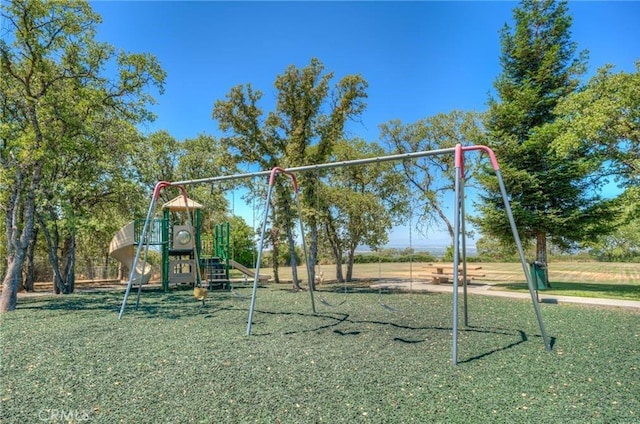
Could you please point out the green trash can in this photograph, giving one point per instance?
(539, 275)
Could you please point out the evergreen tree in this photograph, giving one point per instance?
(552, 197)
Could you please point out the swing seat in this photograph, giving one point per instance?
(200, 293)
(387, 307)
(327, 303)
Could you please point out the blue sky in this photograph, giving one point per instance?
(419, 58)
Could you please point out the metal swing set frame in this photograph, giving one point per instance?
(459, 245)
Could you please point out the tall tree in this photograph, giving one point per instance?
(202, 157)
(551, 196)
(623, 243)
(432, 177)
(309, 118)
(603, 120)
(358, 205)
(156, 159)
(62, 107)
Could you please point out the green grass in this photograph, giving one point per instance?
(173, 361)
(584, 279)
(596, 290)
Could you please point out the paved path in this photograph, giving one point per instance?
(485, 290)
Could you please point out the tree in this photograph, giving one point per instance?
(603, 120)
(62, 109)
(308, 120)
(358, 205)
(551, 196)
(623, 243)
(156, 159)
(432, 177)
(242, 241)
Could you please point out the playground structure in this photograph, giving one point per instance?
(179, 236)
(122, 249)
(459, 245)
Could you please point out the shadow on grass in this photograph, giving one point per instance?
(154, 302)
(339, 319)
(365, 288)
(523, 338)
(179, 303)
(97, 301)
(336, 319)
(174, 305)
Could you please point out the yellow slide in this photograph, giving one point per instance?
(122, 248)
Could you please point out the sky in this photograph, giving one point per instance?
(419, 58)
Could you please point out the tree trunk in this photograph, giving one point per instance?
(15, 255)
(64, 276)
(275, 252)
(339, 274)
(9, 296)
(30, 269)
(312, 258)
(541, 247)
(336, 250)
(444, 219)
(90, 270)
(17, 242)
(64, 265)
(123, 275)
(68, 271)
(293, 261)
(350, 257)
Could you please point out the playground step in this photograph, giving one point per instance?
(214, 271)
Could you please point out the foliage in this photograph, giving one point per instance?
(68, 128)
(242, 241)
(492, 249)
(391, 257)
(358, 205)
(603, 119)
(623, 243)
(552, 196)
(308, 120)
(432, 177)
(156, 159)
(174, 360)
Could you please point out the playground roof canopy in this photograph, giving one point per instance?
(178, 205)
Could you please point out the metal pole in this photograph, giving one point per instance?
(464, 249)
(516, 237)
(272, 179)
(144, 266)
(316, 167)
(456, 253)
(143, 236)
(259, 260)
(523, 260)
(411, 249)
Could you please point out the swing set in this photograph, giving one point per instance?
(459, 245)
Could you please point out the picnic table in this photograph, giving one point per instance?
(440, 276)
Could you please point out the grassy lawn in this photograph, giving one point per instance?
(68, 358)
(585, 279)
